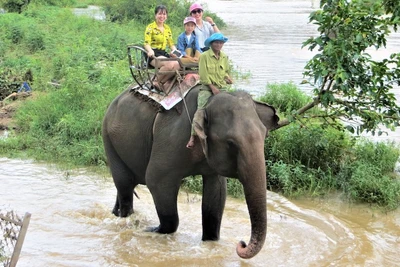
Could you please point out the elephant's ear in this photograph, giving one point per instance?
(199, 122)
(267, 115)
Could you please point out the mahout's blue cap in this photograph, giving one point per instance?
(215, 37)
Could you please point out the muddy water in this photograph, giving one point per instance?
(72, 225)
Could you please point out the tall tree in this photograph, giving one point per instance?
(348, 83)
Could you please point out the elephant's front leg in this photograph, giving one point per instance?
(214, 197)
(164, 189)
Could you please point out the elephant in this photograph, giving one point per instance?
(148, 147)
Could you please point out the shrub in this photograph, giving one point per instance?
(35, 40)
(382, 155)
(194, 184)
(311, 146)
(295, 179)
(284, 97)
(15, 33)
(15, 6)
(367, 184)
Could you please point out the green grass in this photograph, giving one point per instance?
(285, 97)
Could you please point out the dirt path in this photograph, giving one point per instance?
(8, 108)
(6, 114)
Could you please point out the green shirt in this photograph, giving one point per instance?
(213, 70)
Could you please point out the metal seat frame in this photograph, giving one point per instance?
(144, 74)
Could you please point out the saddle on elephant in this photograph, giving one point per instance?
(145, 75)
(178, 91)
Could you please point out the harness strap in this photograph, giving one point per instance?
(179, 78)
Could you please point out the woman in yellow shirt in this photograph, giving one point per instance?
(156, 38)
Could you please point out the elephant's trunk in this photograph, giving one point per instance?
(252, 174)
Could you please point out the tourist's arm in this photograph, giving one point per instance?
(196, 44)
(181, 44)
(214, 26)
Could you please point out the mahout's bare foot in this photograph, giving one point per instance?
(190, 144)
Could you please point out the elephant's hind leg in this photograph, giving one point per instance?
(125, 211)
(124, 181)
(115, 210)
(213, 204)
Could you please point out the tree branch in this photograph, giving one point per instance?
(301, 111)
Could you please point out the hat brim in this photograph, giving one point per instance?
(211, 39)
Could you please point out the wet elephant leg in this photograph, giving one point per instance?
(124, 202)
(164, 188)
(124, 182)
(214, 197)
(115, 210)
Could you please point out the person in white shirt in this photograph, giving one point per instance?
(204, 28)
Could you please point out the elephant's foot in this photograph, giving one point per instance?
(152, 229)
(117, 212)
(123, 208)
(169, 224)
(160, 230)
(210, 237)
(190, 144)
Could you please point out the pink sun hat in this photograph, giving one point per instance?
(195, 6)
(189, 19)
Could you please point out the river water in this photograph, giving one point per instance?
(72, 224)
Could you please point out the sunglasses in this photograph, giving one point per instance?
(197, 11)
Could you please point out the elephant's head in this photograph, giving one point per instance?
(232, 135)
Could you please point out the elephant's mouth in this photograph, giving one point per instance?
(224, 169)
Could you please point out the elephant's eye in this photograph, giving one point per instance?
(231, 144)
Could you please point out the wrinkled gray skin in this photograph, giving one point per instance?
(149, 148)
